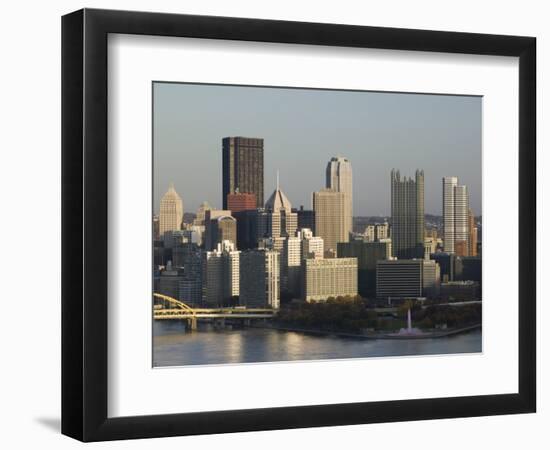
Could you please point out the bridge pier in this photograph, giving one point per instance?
(192, 324)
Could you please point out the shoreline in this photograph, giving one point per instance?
(388, 336)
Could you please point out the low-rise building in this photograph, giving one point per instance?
(460, 291)
(407, 278)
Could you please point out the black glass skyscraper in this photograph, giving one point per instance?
(243, 167)
(407, 211)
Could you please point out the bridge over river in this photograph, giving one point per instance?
(168, 308)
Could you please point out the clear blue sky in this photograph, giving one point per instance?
(303, 129)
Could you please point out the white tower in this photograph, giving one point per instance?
(339, 178)
(455, 217)
(171, 211)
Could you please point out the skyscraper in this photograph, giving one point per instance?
(330, 223)
(171, 211)
(260, 280)
(407, 210)
(472, 234)
(282, 222)
(339, 178)
(456, 220)
(220, 274)
(243, 167)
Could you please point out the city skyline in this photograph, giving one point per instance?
(300, 173)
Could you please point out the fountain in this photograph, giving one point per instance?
(409, 331)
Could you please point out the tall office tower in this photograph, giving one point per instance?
(462, 222)
(219, 226)
(472, 234)
(367, 254)
(407, 210)
(323, 278)
(306, 218)
(260, 283)
(221, 274)
(282, 222)
(171, 211)
(312, 246)
(240, 201)
(330, 222)
(455, 217)
(243, 167)
(201, 212)
(339, 178)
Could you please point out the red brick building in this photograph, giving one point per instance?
(241, 201)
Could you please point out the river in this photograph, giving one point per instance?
(173, 346)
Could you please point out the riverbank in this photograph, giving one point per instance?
(372, 335)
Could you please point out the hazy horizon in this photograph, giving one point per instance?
(303, 128)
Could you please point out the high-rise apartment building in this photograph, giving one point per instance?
(260, 283)
(190, 257)
(243, 167)
(221, 275)
(456, 220)
(171, 211)
(407, 210)
(323, 278)
(330, 221)
(339, 178)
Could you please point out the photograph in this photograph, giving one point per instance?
(296, 224)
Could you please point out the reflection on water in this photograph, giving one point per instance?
(172, 346)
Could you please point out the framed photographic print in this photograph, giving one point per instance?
(273, 224)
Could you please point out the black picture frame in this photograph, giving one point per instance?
(84, 224)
